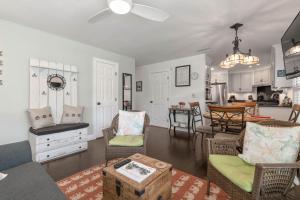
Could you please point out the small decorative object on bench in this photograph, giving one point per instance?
(157, 186)
(50, 142)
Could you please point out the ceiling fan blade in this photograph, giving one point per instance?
(99, 15)
(149, 12)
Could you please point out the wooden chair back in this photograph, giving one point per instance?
(250, 107)
(115, 121)
(294, 114)
(230, 117)
(196, 114)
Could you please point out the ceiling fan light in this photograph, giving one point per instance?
(295, 50)
(120, 7)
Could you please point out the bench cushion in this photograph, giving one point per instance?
(29, 182)
(127, 141)
(235, 169)
(58, 128)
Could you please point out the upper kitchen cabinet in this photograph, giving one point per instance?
(277, 67)
(219, 77)
(240, 82)
(262, 76)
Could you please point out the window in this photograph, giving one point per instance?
(296, 90)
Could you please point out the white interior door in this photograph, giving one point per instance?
(160, 89)
(106, 94)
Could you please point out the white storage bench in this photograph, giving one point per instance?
(57, 141)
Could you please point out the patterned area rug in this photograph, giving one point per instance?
(87, 185)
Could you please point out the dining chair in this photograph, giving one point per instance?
(295, 113)
(250, 107)
(231, 119)
(198, 126)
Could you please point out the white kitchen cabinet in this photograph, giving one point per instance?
(241, 82)
(262, 76)
(246, 81)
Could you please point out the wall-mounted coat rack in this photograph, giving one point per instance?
(62, 90)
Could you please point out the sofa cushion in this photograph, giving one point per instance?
(235, 169)
(264, 144)
(127, 141)
(29, 182)
(58, 128)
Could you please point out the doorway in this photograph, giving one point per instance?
(105, 92)
(160, 101)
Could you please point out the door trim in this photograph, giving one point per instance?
(94, 100)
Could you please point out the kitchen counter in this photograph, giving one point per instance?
(276, 106)
(275, 111)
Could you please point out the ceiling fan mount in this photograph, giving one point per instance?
(122, 7)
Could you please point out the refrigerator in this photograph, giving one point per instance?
(219, 93)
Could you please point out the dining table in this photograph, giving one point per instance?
(247, 117)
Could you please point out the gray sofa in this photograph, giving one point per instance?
(26, 180)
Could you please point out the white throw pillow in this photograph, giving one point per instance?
(72, 114)
(131, 123)
(264, 144)
(41, 117)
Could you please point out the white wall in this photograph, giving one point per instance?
(18, 43)
(195, 92)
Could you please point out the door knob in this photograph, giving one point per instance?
(98, 103)
(151, 101)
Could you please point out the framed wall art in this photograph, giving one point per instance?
(139, 86)
(183, 76)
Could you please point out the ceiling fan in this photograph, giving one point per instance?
(122, 7)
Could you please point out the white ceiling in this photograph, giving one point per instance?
(193, 25)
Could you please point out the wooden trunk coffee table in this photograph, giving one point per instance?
(157, 186)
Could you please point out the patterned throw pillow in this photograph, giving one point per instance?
(264, 144)
(41, 117)
(72, 115)
(131, 123)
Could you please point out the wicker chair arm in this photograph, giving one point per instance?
(222, 146)
(273, 180)
(146, 136)
(108, 134)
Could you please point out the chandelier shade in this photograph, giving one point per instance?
(251, 60)
(295, 50)
(238, 57)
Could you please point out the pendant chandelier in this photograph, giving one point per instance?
(294, 50)
(238, 57)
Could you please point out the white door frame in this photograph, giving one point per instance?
(94, 107)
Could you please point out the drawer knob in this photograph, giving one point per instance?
(80, 138)
(48, 156)
(79, 147)
(79, 133)
(48, 139)
(48, 145)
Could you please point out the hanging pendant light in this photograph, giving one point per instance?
(294, 50)
(238, 57)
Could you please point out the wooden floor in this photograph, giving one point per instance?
(176, 150)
